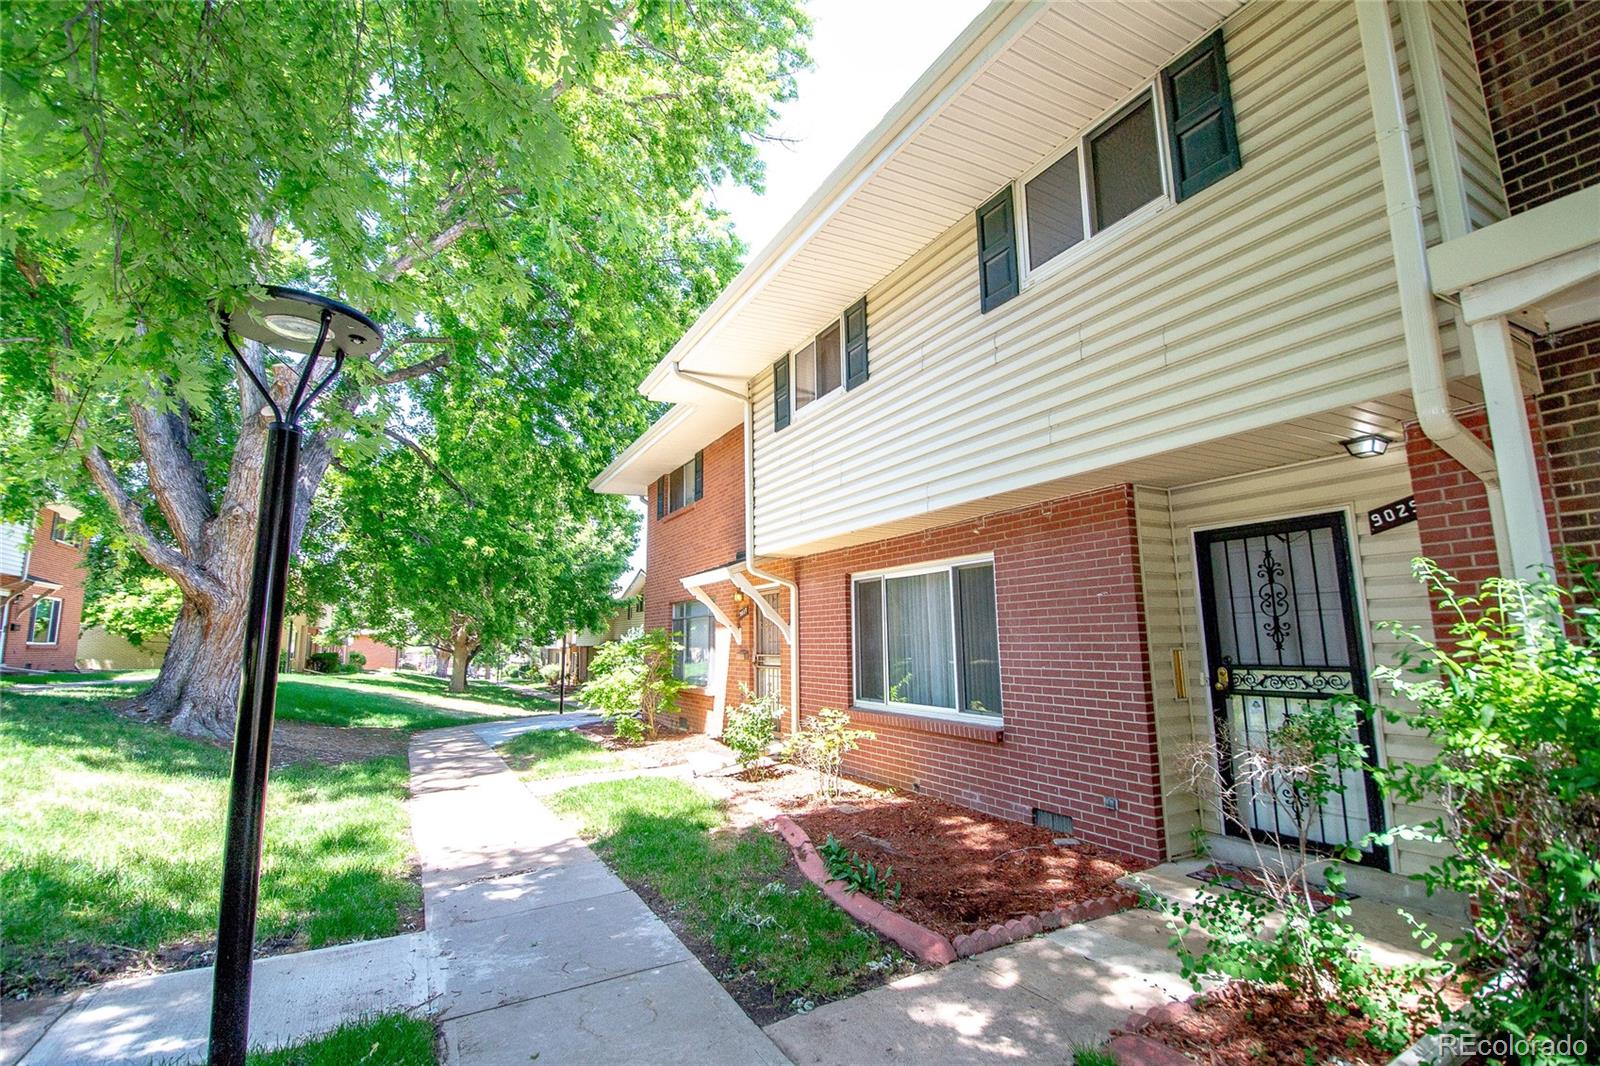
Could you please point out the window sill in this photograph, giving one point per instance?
(685, 509)
(41, 644)
(966, 727)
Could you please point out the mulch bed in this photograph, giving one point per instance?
(1243, 1024)
(960, 870)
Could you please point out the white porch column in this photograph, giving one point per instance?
(1527, 525)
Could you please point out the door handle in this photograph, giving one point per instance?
(1223, 679)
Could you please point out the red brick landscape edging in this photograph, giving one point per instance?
(1087, 910)
(922, 942)
(1130, 1048)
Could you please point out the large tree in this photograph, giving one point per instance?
(473, 529)
(497, 183)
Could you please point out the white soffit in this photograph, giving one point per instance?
(668, 444)
(1017, 83)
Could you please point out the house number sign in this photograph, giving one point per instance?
(1393, 514)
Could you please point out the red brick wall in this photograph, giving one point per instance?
(706, 534)
(379, 656)
(1079, 717)
(57, 562)
(1540, 65)
(1453, 510)
(1570, 409)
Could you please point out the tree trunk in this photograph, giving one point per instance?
(460, 655)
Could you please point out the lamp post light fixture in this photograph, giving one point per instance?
(312, 326)
(1367, 446)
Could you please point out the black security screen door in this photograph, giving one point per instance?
(1282, 633)
(769, 651)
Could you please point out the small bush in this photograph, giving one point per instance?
(323, 662)
(752, 727)
(631, 679)
(550, 673)
(821, 745)
(856, 874)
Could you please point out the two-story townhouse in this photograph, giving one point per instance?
(1096, 405)
(41, 591)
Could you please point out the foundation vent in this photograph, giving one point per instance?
(1056, 823)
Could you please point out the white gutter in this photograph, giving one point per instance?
(792, 633)
(1424, 352)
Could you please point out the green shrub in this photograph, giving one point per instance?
(550, 673)
(1514, 709)
(323, 662)
(631, 679)
(821, 745)
(752, 727)
(353, 663)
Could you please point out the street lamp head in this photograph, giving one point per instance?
(303, 322)
(291, 320)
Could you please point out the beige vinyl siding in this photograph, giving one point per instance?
(13, 547)
(1385, 587)
(1179, 722)
(101, 649)
(1268, 296)
(1480, 165)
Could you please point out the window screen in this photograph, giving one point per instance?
(922, 656)
(869, 640)
(1055, 210)
(980, 639)
(805, 375)
(829, 372)
(691, 631)
(1124, 165)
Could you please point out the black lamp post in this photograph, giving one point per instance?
(311, 325)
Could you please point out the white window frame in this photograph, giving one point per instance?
(921, 709)
(1032, 275)
(59, 532)
(55, 622)
(689, 498)
(711, 649)
(795, 410)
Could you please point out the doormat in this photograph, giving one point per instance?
(1230, 875)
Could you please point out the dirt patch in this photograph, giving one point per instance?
(668, 749)
(959, 870)
(1245, 1024)
(296, 742)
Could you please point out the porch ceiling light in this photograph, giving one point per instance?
(1367, 445)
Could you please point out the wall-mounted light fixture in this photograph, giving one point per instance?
(1367, 445)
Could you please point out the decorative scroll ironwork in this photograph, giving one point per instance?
(1273, 597)
(1244, 679)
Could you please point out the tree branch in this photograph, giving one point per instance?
(430, 248)
(416, 370)
(191, 578)
(175, 478)
(431, 463)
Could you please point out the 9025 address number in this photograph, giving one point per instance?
(1393, 514)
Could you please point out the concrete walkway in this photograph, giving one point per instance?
(547, 956)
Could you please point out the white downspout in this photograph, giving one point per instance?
(750, 533)
(1424, 352)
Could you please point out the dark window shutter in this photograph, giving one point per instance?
(855, 344)
(1205, 144)
(780, 393)
(699, 474)
(661, 497)
(997, 251)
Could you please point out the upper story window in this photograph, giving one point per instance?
(691, 632)
(682, 487)
(1175, 134)
(44, 625)
(927, 639)
(836, 356)
(61, 531)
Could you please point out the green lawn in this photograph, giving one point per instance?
(7, 680)
(396, 701)
(726, 884)
(111, 841)
(389, 1040)
(549, 753)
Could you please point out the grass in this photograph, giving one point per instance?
(387, 1040)
(111, 841)
(549, 753)
(1084, 1055)
(396, 701)
(727, 884)
(9, 679)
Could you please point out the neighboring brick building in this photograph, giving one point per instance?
(42, 574)
(1540, 65)
(379, 656)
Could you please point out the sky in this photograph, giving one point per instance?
(865, 54)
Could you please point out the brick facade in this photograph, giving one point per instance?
(706, 534)
(1453, 509)
(1079, 717)
(1540, 65)
(59, 563)
(379, 656)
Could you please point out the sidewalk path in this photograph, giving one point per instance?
(547, 956)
